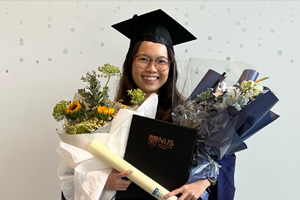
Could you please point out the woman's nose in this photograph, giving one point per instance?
(152, 66)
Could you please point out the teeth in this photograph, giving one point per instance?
(150, 78)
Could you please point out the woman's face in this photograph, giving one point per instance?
(150, 79)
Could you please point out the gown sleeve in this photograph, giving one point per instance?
(225, 189)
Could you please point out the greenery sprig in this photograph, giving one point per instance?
(92, 94)
(137, 96)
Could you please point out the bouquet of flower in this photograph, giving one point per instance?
(224, 116)
(92, 107)
(92, 116)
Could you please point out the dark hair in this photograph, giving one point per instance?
(165, 96)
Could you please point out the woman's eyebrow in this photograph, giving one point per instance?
(142, 54)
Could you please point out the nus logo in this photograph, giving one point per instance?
(163, 143)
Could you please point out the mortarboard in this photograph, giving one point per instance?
(155, 26)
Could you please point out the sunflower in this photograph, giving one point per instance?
(105, 110)
(73, 108)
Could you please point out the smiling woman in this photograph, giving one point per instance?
(149, 78)
(150, 65)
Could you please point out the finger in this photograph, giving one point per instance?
(183, 197)
(125, 183)
(122, 188)
(173, 193)
(125, 173)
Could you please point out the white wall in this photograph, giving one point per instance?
(46, 46)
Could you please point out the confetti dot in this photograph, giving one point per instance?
(102, 44)
(237, 23)
(244, 29)
(279, 52)
(102, 28)
(272, 31)
(228, 58)
(21, 59)
(241, 46)
(73, 29)
(292, 61)
(65, 51)
(186, 50)
(228, 70)
(6, 71)
(209, 38)
(37, 62)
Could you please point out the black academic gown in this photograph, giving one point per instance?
(225, 189)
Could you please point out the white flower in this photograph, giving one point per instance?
(234, 98)
(257, 89)
(246, 85)
(251, 89)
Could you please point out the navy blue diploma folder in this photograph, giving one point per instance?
(161, 150)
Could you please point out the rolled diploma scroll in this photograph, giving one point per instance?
(138, 177)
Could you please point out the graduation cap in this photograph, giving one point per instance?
(155, 26)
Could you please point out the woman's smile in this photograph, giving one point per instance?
(150, 78)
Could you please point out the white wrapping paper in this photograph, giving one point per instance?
(81, 174)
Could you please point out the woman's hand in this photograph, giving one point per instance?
(115, 181)
(191, 191)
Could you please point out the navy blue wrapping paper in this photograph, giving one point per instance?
(243, 124)
(225, 133)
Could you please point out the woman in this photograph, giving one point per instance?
(150, 65)
(151, 71)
